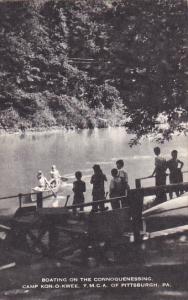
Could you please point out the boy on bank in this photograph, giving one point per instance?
(124, 181)
(175, 165)
(79, 188)
(115, 189)
(160, 174)
(98, 192)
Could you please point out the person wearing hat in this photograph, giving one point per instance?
(98, 192)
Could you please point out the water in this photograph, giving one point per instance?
(21, 157)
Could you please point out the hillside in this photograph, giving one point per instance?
(87, 63)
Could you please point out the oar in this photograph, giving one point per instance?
(63, 178)
(54, 194)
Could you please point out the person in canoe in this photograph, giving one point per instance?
(56, 178)
(42, 181)
(79, 188)
(97, 180)
(160, 174)
(175, 166)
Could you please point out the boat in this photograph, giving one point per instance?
(47, 191)
(172, 213)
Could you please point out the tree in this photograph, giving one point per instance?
(147, 51)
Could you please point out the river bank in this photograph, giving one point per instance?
(52, 129)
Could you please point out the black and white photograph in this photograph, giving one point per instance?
(94, 149)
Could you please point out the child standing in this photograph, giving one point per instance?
(98, 179)
(115, 188)
(124, 181)
(160, 174)
(175, 165)
(79, 187)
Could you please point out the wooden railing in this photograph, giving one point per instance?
(141, 191)
(134, 199)
(21, 196)
(138, 180)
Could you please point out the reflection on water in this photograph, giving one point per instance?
(21, 156)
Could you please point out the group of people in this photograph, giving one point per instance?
(119, 186)
(55, 179)
(175, 167)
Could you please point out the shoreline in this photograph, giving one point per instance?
(51, 129)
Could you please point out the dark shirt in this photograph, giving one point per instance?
(98, 183)
(173, 165)
(79, 187)
(175, 172)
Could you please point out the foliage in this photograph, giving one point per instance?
(136, 74)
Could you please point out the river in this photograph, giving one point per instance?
(22, 156)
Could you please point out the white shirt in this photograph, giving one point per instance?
(123, 175)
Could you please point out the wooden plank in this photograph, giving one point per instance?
(53, 211)
(8, 266)
(110, 224)
(168, 232)
(74, 230)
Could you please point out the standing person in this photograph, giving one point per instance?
(98, 179)
(175, 166)
(160, 174)
(79, 188)
(115, 188)
(124, 181)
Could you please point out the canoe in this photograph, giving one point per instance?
(46, 191)
(169, 214)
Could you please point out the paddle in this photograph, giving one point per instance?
(54, 194)
(63, 178)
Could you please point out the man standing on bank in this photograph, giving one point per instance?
(79, 188)
(160, 174)
(124, 182)
(175, 166)
(97, 180)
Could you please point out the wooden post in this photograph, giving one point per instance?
(136, 206)
(138, 183)
(20, 200)
(53, 237)
(39, 200)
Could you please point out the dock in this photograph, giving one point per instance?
(57, 241)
